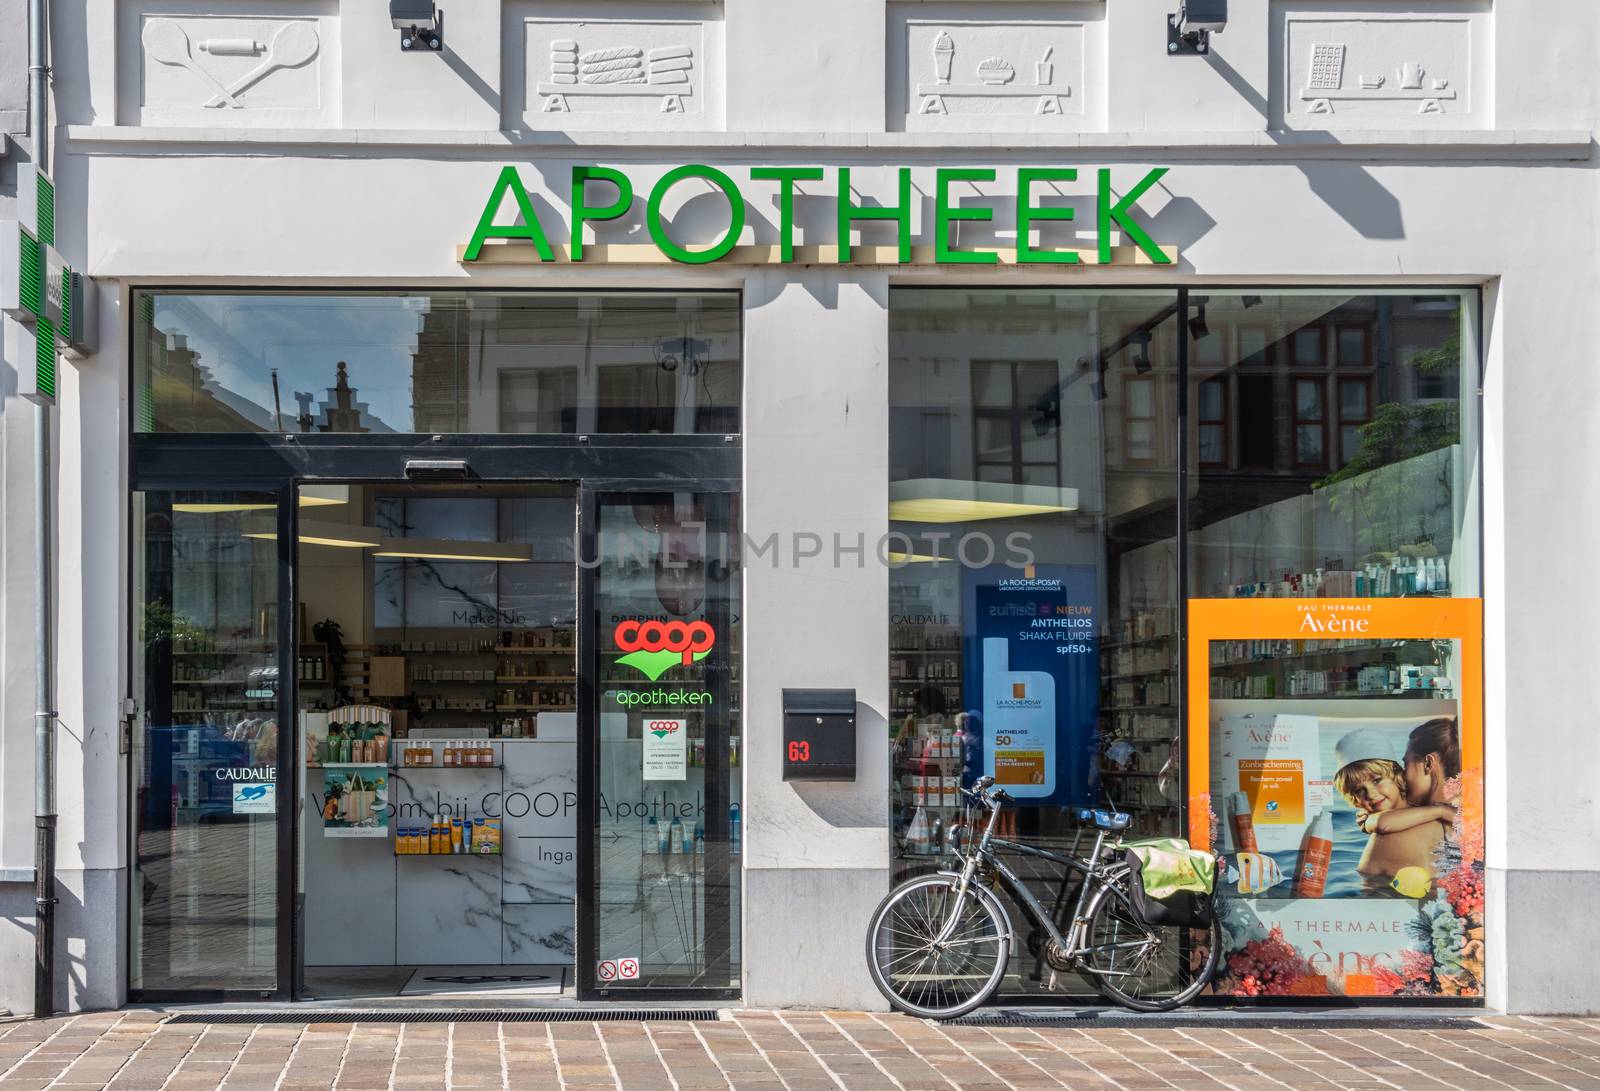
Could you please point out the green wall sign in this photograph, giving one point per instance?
(599, 194)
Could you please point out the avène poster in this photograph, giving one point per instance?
(1336, 764)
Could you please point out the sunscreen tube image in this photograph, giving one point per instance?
(1311, 872)
(1244, 824)
(1019, 724)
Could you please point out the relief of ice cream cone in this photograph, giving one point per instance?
(944, 54)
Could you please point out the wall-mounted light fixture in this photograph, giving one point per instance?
(420, 23)
(1198, 327)
(1190, 30)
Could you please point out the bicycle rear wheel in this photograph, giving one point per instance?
(1142, 966)
(923, 977)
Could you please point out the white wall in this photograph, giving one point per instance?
(387, 178)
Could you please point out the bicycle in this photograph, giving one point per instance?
(938, 945)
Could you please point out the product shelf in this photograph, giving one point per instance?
(1108, 645)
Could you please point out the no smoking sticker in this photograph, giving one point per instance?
(617, 969)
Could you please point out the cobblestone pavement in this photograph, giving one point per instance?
(785, 1051)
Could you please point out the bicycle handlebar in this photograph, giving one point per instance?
(983, 791)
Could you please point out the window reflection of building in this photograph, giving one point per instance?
(1285, 387)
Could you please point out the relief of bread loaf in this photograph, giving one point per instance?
(621, 64)
(564, 61)
(671, 64)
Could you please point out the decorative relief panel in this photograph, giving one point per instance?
(195, 68)
(660, 68)
(1012, 72)
(1343, 69)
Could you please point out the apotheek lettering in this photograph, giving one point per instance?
(600, 194)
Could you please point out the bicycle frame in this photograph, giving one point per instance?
(1095, 875)
(984, 851)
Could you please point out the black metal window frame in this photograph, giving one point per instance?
(281, 462)
(1188, 462)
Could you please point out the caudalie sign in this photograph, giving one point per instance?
(599, 194)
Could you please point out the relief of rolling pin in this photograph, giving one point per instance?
(624, 70)
(1325, 84)
(294, 44)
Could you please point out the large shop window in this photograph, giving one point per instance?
(1037, 444)
(1334, 717)
(1033, 476)
(529, 362)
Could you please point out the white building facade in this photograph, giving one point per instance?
(1321, 283)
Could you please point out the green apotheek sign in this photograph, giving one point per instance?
(599, 194)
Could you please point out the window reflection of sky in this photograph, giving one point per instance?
(448, 362)
(241, 339)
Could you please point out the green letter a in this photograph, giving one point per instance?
(529, 228)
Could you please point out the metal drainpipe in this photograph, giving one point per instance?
(44, 716)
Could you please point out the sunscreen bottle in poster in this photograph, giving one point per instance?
(1019, 724)
(1244, 824)
(1311, 872)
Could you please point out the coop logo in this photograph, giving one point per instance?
(661, 729)
(655, 647)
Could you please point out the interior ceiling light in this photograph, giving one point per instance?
(938, 500)
(221, 507)
(323, 496)
(317, 532)
(444, 549)
(896, 557)
(311, 496)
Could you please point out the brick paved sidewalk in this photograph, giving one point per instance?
(784, 1051)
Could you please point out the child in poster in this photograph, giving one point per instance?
(1401, 834)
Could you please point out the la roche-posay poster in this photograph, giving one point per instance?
(1354, 848)
(1031, 680)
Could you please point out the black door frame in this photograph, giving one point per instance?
(719, 864)
(282, 462)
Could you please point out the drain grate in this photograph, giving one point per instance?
(1215, 1020)
(460, 1015)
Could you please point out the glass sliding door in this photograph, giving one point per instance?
(204, 908)
(664, 742)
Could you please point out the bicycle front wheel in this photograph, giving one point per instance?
(923, 976)
(1146, 967)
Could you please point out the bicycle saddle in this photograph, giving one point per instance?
(1104, 820)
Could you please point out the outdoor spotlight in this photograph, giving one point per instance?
(1190, 30)
(1250, 301)
(420, 25)
(1141, 353)
(1197, 325)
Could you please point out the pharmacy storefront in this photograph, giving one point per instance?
(460, 513)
